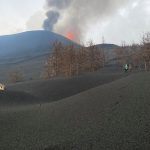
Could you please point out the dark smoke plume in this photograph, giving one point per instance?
(52, 18)
(53, 14)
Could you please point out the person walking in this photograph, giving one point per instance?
(126, 67)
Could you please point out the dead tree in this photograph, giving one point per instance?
(146, 51)
(136, 56)
(94, 57)
(120, 56)
(53, 64)
(70, 60)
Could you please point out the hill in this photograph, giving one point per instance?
(112, 116)
(23, 46)
(109, 52)
(107, 46)
(27, 53)
(56, 89)
(17, 98)
(28, 45)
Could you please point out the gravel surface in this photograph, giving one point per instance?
(57, 89)
(113, 116)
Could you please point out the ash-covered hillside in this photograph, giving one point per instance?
(27, 53)
(28, 44)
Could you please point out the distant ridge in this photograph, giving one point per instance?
(107, 46)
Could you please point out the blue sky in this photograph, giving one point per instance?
(126, 22)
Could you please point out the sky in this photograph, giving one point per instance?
(80, 20)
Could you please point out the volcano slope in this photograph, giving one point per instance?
(114, 116)
(17, 98)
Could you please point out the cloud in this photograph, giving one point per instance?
(11, 27)
(60, 4)
(35, 22)
(113, 18)
(127, 25)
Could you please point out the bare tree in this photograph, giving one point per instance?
(70, 60)
(136, 56)
(95, 57)
(53, 64)
(146, 50)
(120, 55)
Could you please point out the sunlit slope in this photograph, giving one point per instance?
(112, 116)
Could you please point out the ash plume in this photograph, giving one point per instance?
(77, 15)
(52, 18)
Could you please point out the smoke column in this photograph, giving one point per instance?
(52, 18)
(53, 13)
(77, 15)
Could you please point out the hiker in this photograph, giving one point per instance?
(126, 67)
